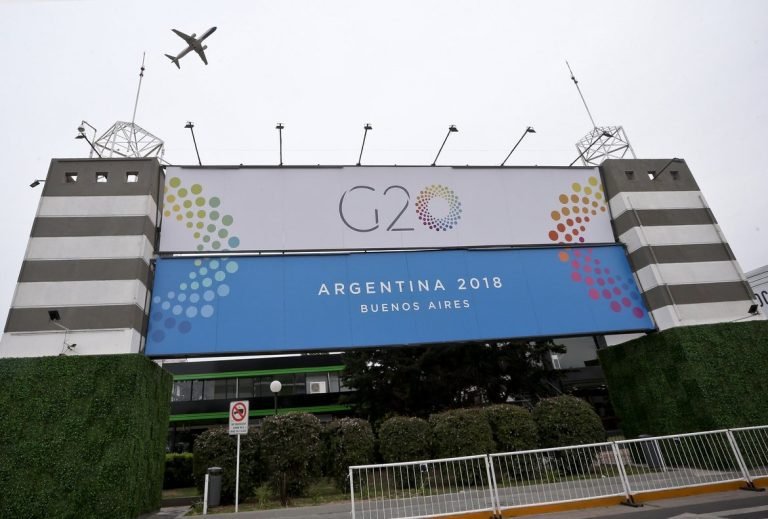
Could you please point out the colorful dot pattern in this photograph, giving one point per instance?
(600, 283)
(441, 223)
(194, 297)
(202, 215)
(576, 210)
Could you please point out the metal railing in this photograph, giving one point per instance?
(504, 481)
(751, 443)
(421, 488)
(547, 476)
(680, 461)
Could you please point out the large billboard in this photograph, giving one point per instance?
(239, 305)
(368, 208)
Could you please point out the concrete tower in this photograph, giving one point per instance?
(684, 266)
(85, 281)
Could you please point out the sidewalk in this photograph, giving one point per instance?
(737, 504)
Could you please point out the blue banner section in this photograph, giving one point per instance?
(238, 305)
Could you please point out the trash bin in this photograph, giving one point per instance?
(651, 452)
(214, 486)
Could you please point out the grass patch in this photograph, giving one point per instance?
(180, 492)
(321, 491)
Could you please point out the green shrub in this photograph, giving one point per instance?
(216, 448)
(178, 471)
(673, 382)
(513, 428)
(404, 439)
(461, 432)
(291, 451)
(567, 420)
(350, 441)
(82, 436)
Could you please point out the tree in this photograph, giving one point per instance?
(419, 381)
(291, 449)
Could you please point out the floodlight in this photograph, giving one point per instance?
(528, 130)
(365, 128)
(191, 128)
(451, 129)
(675, 159)
(280, 129)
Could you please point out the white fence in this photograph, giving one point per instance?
(422, 488)
(498, 482)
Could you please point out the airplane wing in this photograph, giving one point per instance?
(201, 53)
(184, 37)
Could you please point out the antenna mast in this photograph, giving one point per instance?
(129, 139)
(138, 91)
(575, 82)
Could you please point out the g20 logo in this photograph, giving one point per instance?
(437, 207)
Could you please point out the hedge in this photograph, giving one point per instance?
(512, 426)
(689, 379)
(82, 436)
(567, 420)
(216, 448)
(461, 432)
(291, 451)
(404, 439)
(349, 441)
(178, 470)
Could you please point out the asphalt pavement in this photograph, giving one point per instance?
(736, 504)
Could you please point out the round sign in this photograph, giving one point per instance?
(238, 412)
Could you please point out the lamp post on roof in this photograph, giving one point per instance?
(451, 129)
(526, 132)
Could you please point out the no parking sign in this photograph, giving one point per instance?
(238, 417)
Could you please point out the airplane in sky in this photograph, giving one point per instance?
(193, 44)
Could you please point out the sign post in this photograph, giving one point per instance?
(238, 425)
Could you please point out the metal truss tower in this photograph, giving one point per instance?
(604, 142)
(129, 140)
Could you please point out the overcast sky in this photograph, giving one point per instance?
(684, 78)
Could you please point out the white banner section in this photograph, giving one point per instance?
(209, 209)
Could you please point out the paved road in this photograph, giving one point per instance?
(737, 504)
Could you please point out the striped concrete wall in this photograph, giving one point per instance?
(681, 259)
(89, 257)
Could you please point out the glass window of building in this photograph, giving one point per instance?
(261, 387)
(197, 389)
(333, 379)
(245, 387)
(209, 387)
(221, 389)
(182, 391)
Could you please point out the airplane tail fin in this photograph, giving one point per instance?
(174, 60)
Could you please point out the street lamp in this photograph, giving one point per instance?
(451, 129)
(675, 159)
(526, 132)
(275, 386)
(191, 126)
(604, 134)
(280, 127)
(81, 135)
(366, 128)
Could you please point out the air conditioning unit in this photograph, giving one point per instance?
(318, 387)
